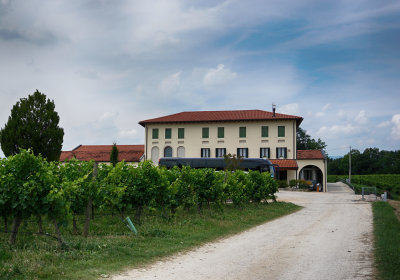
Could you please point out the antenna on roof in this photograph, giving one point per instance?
(273, 109)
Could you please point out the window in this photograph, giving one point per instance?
(264, 152)
(281, 131)
(220, 152)
(242, 132)
(264, 131)
(205, 132)
(168, 133)
(181, 133)
(281, 152)
(221, 132)
(168, 152)
(155, 133)
(243, 152)
(205, 152)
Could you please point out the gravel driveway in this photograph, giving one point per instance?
(330, 238)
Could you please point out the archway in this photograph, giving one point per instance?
(311, 172)
(168, 151)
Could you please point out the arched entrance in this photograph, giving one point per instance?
(168, 152)
(311, 172)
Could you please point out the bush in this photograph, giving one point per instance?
(303, 184)
(292, 183)
(282, 184)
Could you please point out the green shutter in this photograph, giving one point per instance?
(168, 133)
(181, 133)
(205, 133)
(221, 132)
(264, 131)
(281, 131)
(155, 133)
(242, 132)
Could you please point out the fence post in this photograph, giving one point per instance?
(362, 192)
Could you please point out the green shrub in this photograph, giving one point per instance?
(282, 184)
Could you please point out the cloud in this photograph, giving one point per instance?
(171, 83)
(218, 76)
(326, 106)
(338, 130)
(384, 124)
(361, 118)
(396, 126)
(290, 109)
(128, 133)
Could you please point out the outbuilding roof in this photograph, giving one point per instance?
(285, 164)
(310, 154)
(221, 116)
(101, 153)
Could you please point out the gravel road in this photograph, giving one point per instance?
(330, 238)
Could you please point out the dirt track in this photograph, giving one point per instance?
(330, 238)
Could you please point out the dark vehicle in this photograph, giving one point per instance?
(262, 165)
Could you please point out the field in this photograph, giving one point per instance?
(111, 247)
(384, 182)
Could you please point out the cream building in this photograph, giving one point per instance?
(248, 133)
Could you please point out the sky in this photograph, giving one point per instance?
(110, 64)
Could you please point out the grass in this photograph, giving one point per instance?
(387, 241)
(112, 248)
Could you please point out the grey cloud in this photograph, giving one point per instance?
(32, 37)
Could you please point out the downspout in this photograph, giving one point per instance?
(145, 141)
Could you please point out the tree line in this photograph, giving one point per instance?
(371, 161)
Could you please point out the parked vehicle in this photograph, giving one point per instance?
(260, 164)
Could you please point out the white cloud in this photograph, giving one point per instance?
(342, 114)
(290, 109)
(337, 130)
(107, 116)
(396, 126)
(384, 124)
(218, 76)
(326, 106)
(128, 133)
(361, 118)
(171, 83)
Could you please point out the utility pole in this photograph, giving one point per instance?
(350, 166)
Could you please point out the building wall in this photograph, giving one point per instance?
(193, 141)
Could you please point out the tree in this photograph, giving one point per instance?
(114, 154)
(33, 124)
(305, 142)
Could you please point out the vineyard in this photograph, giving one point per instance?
(32, 187)
(385, 182)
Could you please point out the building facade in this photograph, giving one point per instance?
(247, 133)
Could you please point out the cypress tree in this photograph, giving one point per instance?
(114, 154)
(33, 124)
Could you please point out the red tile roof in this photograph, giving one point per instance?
(285, 164)
(101, 153)
(310, 154)
(221, 116)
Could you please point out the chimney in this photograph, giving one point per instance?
(273, 110)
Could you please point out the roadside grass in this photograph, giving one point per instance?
(111, 247)
(387, 241)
